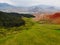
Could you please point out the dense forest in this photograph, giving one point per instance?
(12, 19)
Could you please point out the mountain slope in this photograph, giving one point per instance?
(44, 8)
(33, 9)
(10, 8)
(5, 5)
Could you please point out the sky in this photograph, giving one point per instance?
(32, 2)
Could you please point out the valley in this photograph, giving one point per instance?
(35, 25)
(30, 33)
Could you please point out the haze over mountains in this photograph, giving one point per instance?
(33, 9)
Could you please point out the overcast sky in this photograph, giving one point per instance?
(32, 2)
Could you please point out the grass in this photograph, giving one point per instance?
(38, 34)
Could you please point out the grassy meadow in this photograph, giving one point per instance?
(32, 33)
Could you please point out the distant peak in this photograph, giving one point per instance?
(6, 4)
(3, 3)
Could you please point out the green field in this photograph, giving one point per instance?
(37, 34)
(20, 29)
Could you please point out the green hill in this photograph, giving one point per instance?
(32, 33)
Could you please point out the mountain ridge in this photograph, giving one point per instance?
(33, 9)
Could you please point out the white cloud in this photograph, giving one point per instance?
(32, 2)
(6, 1)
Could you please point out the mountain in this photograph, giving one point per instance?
(10, 8)
(5, 5)
(44, 8)
(33, 9)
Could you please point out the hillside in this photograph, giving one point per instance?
(53, 18)
(20, 29)
(7, 19)
(12, 19)
(30, 33)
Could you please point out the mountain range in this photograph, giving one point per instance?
(33, 9)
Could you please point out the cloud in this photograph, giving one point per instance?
(6, 1)
(31, 2)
